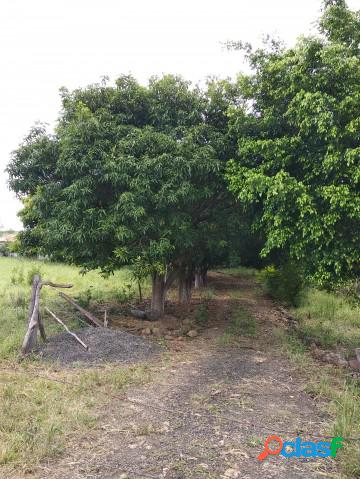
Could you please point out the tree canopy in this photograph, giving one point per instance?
(171, 178)
(298, 146)
(133, 175)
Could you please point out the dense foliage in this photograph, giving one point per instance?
(298, 146)
(133, 175)
(173, 179)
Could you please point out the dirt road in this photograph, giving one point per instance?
(208, 410)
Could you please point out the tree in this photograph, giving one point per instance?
(133, 176)
(299, 146)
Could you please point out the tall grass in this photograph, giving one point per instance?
(342, 395)
(329, 320)
(15, 290)
(38, 416)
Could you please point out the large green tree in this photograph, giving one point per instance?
(298, 146)
(132, 176)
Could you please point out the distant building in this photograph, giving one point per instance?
(7, 238)
(5, 241)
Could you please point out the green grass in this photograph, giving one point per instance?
(15, 291)
(37, 416)
(240, 271)
(342, 395)
(242, 323)
(329, 320)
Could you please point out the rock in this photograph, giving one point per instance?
(354, 364)
(156, 331)
(167, 336)
(192, 333)
(151, 315)
(146, 331)
(328, 356)
(187, 321)
(137, 313)
(357, 352)
(231, 473)
(335, 358)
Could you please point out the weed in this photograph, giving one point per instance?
(17, 276)
(226, 339)
(242, 323)
(35, 270)
(202, 315)
(125, 294)
(284, 283)
(343, 397)
(84, 297)
(328, 320)
(207, 294)
(254, 441)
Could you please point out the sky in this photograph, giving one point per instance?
(46, 44)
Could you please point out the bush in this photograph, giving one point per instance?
(125, 294)
(284, 283)
(17, 276)
(4, 250)
(35, 270)
(202, 314)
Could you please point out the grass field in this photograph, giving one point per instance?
(37, 416)
(15, 289)
(341, 395)
(329, 319)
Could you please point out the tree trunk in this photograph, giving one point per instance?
(158, 294)
(203, 274)
(185, 286)
(140, 292)
(199, 280)
(30, 340)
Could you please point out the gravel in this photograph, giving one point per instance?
(105, 345)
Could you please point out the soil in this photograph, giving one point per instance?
(105, 345)
(208, 409)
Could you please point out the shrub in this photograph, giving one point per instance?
(34, 270)
(202, 314)
(284, 283)
(4, 250)
(17, 276)
(84, 297)
(125, 294)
